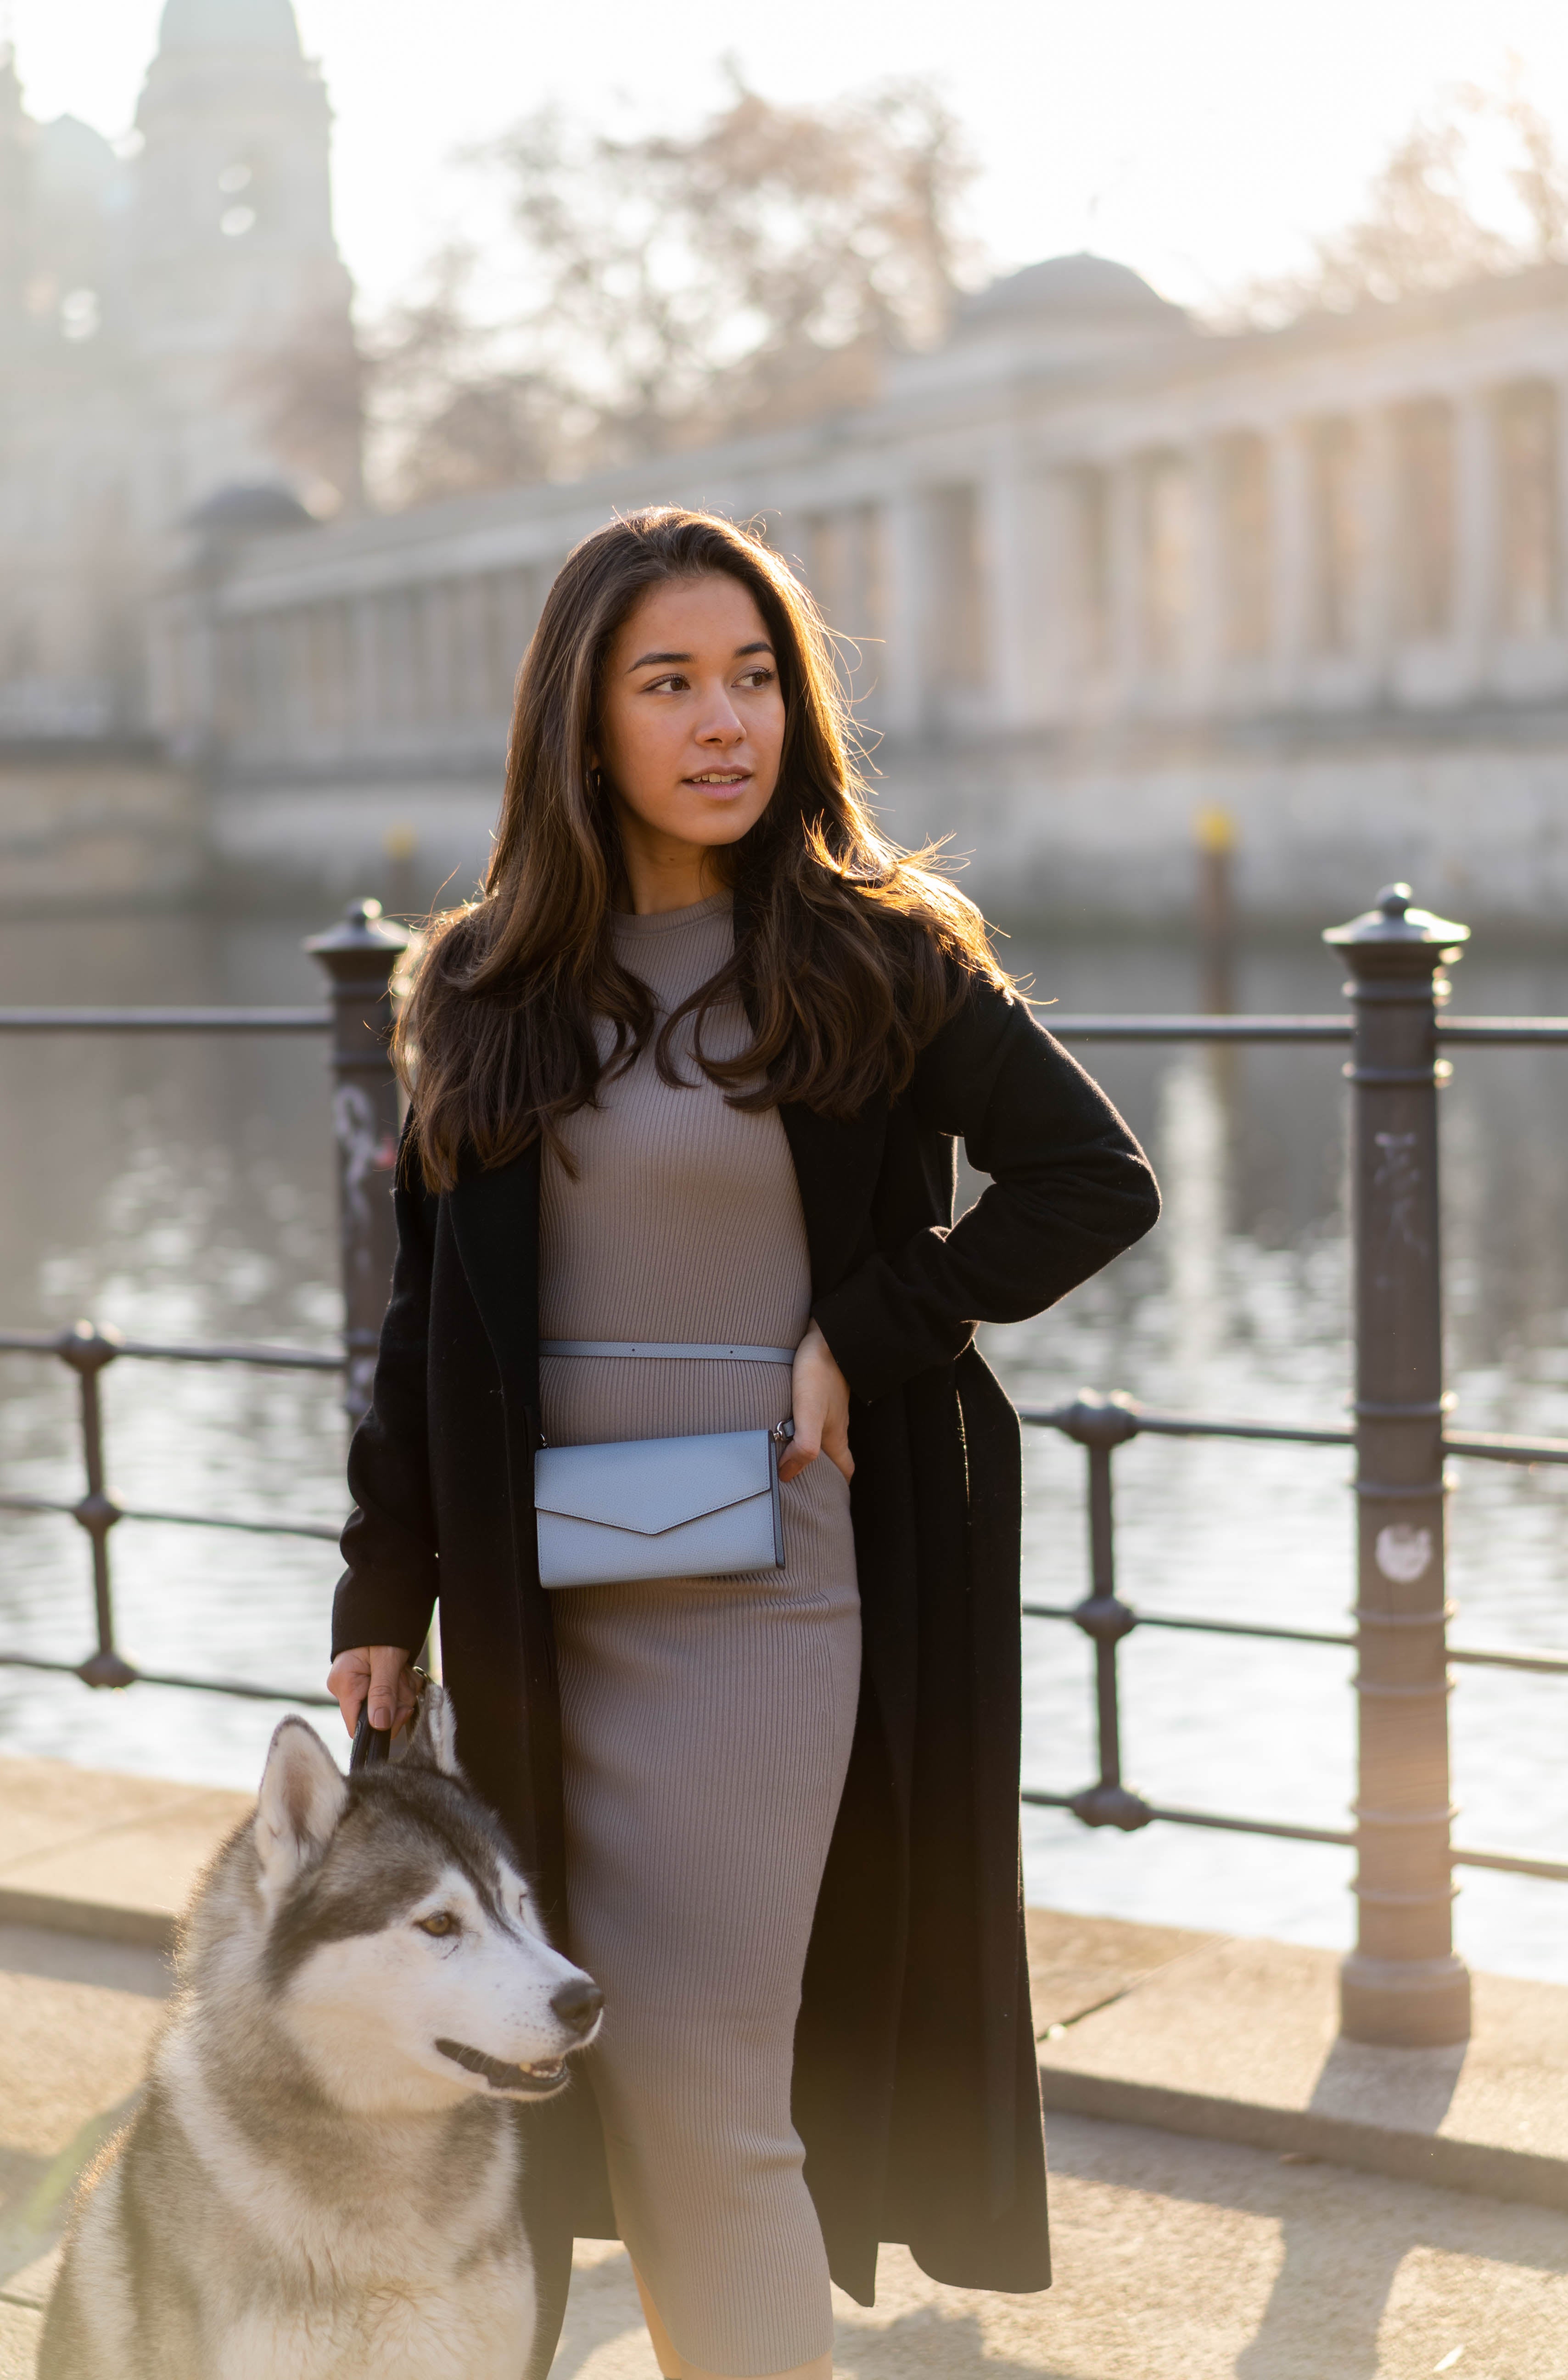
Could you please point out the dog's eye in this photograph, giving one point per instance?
(442, 1922)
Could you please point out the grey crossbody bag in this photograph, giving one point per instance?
(660, 1507)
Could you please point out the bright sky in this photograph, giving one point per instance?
(1198, 141)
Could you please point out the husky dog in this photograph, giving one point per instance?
(322, 2176)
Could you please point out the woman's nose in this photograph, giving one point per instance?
(720, 725)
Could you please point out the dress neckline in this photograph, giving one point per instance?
(667, 921)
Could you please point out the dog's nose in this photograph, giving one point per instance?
(577, 2002)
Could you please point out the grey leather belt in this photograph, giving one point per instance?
(665, 1347)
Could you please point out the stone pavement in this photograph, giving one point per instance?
(1178, 2257)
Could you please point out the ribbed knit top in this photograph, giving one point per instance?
(683, 1222)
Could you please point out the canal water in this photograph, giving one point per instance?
(181, 1189)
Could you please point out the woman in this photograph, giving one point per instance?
(690, 1072)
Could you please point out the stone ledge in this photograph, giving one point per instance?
(84, 1851)
(1237, 2040)
(1201, 2033)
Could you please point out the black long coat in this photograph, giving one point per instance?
(916, 2087)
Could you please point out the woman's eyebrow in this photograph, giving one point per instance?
(645, 660)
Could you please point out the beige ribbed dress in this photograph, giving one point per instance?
(707, 1723)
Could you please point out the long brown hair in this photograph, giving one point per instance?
(854, 953)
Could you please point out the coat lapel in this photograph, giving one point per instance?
(495, 1224)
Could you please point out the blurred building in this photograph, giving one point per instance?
(165, 309)
(1105, 570)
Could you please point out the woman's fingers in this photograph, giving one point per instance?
(349, 1679)
(836, 1440)
(807, 1444)
(393, 1698)
(379, 1673)
(821, 1409)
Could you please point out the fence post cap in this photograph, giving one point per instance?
(1396, 926)
(360, 931)
(1098, 1421)
(87, 1346)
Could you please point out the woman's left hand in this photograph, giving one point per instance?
(821, 1409)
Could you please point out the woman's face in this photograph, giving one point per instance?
(692, 717)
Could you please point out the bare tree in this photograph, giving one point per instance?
(1420, 229)
(663, 290)
(306, 394)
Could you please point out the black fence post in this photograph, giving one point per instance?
(1100, 1424)
(86, 1350)
(1402, 1984)
(360, 956)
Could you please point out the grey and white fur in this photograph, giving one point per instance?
(323, 2175)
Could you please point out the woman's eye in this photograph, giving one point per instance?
(757, 677)
(667, 685)
(440, 1923)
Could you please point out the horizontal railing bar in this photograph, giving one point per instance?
(1549, 1665)
(1167, 1424)
(1507, 1863)
(1193, 1029)
(1498, 1030)
(164, 1020)
(246, 1692)
(1207, 1819)
(1492, 1446)
(1502, 1030)
(283, 1359)
(327, 1532)
(1485, 1446)
(1486, 1656)
(1202, 1627)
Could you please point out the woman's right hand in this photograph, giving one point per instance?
(384, 1673)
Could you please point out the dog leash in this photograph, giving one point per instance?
(372, 1745)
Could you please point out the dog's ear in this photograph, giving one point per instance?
(433, 1744)
(302, 1797)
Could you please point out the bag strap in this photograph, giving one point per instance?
(666, 1347)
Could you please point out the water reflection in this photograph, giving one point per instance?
(183, 1189)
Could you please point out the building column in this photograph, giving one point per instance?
(903, 705)
(1292, 561)
(364, 692)
(1476, 524)
(1012, 502)
(1127, 588)
(1379, 628)
(1203, 668)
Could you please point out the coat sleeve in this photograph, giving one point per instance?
(1070, 1189)
(387, 1593)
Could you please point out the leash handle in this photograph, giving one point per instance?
(372, 1745)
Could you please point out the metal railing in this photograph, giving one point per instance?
(1402, 1983)
(87, 1350)
(358, 957)
(1100, 1424)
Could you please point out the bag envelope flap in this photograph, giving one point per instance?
(655, 1484)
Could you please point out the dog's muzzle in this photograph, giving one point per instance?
(530, 2082)
(578, 2005)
